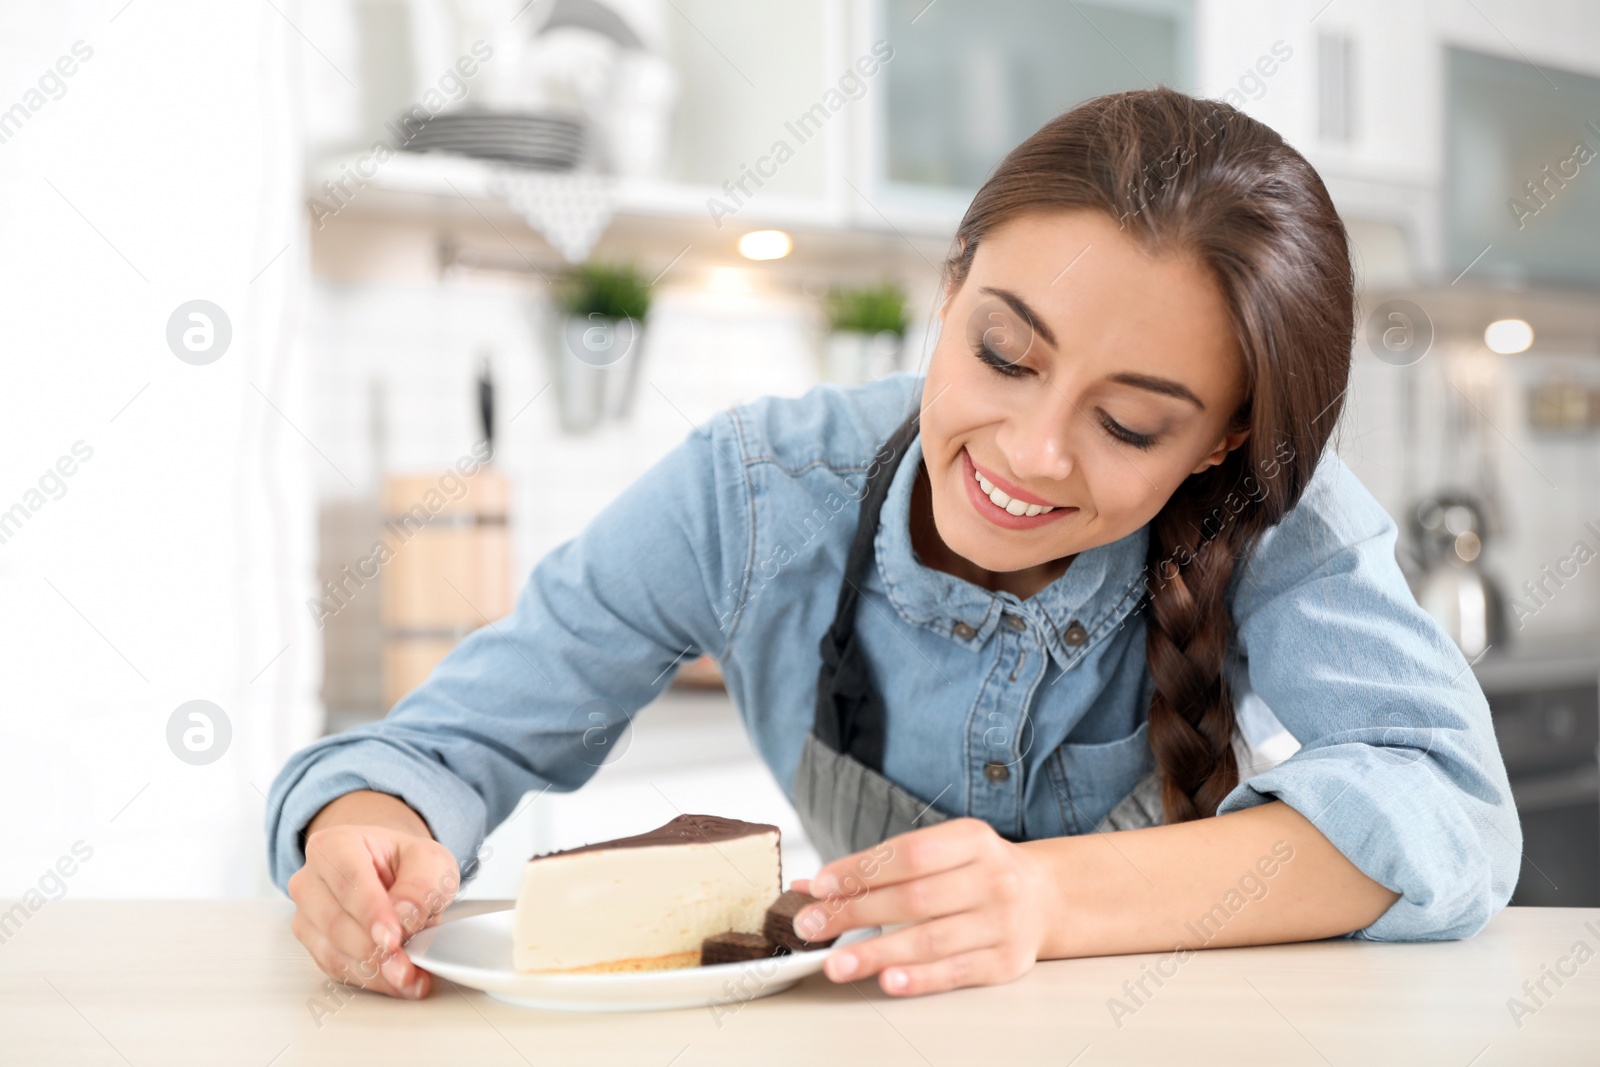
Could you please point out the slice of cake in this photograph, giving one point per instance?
(645, 902)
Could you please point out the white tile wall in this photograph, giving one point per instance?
(419, 348)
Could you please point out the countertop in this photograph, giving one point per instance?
(88, 982)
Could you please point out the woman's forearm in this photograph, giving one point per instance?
(367, 807)
(1260, 876)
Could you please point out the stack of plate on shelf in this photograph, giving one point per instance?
(542, 140)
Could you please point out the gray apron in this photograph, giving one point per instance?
(845, 802)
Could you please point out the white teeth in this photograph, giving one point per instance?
(1001, 500)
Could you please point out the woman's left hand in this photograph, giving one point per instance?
(976, 903)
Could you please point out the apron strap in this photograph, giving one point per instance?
(849, 715)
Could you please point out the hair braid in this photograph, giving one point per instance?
(1187, 633)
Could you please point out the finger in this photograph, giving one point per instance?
(985, 966)
(324, 912)
(426, 880)
(395, 966)
(919, 943)
(341, 967)
(329, 960)
(314, 900)
(350, 874)
(374, 946)
(945, 893)
(913, 854)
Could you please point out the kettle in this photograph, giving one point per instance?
(1449, 531)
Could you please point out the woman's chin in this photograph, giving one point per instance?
(990, 551)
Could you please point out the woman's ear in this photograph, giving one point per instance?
(949, 296)
(950, 288)
(1228, 443)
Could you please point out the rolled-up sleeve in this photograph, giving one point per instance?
(535, 700)
(1398, 765)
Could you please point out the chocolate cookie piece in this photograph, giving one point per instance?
(779, 925)
(736, 947)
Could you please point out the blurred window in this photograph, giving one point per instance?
(1516, 181)
(968, 82)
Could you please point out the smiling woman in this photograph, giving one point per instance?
(1133, 367)
(999, 675)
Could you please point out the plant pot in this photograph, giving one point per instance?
(852, 356)
(596, 369)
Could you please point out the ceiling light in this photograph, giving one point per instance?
(1507, 336)
(765, 244)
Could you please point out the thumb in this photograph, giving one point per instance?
(425, 881)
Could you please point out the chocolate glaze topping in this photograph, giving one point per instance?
(683, 830)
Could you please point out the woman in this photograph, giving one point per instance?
(1060, 583)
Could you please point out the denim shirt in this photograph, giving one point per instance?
(1030, 714)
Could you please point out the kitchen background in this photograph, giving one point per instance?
(276, 268)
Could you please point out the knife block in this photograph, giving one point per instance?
(451, 570)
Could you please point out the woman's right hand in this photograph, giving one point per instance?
(373, 877)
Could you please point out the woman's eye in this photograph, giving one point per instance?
(1127, 436)
(1009, 368)
(1012, 369)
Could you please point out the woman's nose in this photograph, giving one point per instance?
(1037, 442)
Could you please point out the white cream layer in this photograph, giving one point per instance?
(629, 903)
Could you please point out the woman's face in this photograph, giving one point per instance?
(1077, 372)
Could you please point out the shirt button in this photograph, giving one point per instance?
(1075, 635)
(996, 772)
(1015, 622)
(964, 631)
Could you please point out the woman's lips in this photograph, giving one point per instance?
(999, 515)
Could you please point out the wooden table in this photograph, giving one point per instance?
(225, 982)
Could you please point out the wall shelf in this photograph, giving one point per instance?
(453, 201)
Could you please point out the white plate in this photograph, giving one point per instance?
(476, 952)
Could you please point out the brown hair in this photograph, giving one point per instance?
(1200, 178)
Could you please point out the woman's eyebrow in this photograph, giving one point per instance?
(1027, 314)
(1164, 386)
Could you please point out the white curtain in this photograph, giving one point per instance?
(173, 563)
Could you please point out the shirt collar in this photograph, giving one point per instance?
(1073, 613)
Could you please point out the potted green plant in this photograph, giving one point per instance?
(601, 316)
(866, 332)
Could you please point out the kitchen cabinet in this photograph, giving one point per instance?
(967, 83)
(1547, 720)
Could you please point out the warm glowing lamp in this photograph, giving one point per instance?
(765, 244)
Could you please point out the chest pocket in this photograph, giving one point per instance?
(1091, 779)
